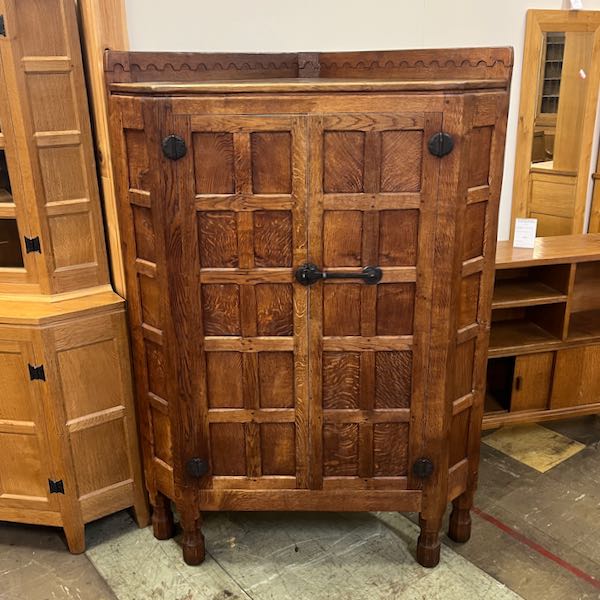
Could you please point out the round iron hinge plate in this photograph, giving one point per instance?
(440, 144)
(423, 468)
(173, 147)
(197, 467)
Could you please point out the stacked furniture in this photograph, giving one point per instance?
(545, 339)
(309, 248)
(68, 444)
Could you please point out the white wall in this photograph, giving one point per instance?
(291, 26)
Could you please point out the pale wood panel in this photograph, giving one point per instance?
(577, 380)
(532, 381)
(104, 25)
(47, 101)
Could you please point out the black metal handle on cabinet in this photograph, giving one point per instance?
(308, 274)
(518, 383)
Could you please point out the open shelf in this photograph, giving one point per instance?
(510, 293)
(584, 325)
(516, 336)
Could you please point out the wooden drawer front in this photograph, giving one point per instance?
(24, 467)
(577, 377)
(532, 381)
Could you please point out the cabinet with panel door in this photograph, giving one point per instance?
(309, 243)
(67, 428)
(545, 337)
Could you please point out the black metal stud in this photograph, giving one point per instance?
(173, 147)
(423, 468)
(440, 144)
(197, 467)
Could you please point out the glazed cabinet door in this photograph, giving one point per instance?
(249, 176)
(373, 187)
(25, 466)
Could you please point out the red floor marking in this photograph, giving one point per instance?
(538, 548)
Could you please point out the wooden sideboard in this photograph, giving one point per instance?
(309, 245)
(544, 356)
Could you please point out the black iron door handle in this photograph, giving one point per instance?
(308, 274)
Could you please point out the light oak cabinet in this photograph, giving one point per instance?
(545, 335)
(68, 444)
(67, 432)
(309, 245)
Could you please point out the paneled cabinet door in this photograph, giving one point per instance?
(577, 377)
(532, 381)
(24, 466)
(373, 187)
(339, 192)
(250, 205)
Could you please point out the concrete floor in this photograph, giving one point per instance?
(536, 533)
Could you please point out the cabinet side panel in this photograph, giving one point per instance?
(144, 270)
(486, 127)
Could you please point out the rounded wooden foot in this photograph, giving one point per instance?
(162, 519)
(428, 550)
(459, 529)
(193, 547)
(193, 540)
(429, 545)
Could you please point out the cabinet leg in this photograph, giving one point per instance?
(428, 545)
(459, 529)
(141, 512)
(162, 517)
(75, 535)
(193, 540)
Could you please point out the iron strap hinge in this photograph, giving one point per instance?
(33, 245)
(56, 487)
(37, 373)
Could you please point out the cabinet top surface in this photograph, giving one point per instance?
(550, 250)
(388, 70)
(303, 85)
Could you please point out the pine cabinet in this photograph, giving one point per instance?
(309, 244)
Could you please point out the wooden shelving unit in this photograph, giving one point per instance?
(544, 355)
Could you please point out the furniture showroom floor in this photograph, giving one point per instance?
(536, 534)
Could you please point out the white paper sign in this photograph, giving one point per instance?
(525, 230)
(576, 4)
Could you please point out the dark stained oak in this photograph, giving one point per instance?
(322, 397)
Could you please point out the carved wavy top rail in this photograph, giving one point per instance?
(456, 63)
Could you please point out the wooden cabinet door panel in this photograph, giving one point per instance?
(373, 184)
(250, 213)
(532, 381)
(24, 467)
(577, 377)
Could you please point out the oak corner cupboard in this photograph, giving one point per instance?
(68, 441)
(309, 243)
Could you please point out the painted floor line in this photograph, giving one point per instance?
(538, 548)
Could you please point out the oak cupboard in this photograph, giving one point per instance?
(309, 244)
(68, 442)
